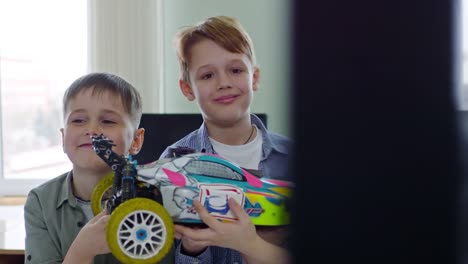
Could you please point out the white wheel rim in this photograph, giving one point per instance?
(141, 234)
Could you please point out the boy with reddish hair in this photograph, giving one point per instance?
(218, 71)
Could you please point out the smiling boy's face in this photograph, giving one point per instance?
(221, 82)
(89, 114)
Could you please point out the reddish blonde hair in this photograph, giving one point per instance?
(225, 31)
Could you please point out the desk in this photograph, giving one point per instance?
(12, 234)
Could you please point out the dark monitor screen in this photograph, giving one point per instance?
(161, 130)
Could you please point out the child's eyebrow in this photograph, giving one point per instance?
(78, 111)
(105, 111)
(237, 60)
(114, 114)
(110, 111)
(199, 67)
(232, 61)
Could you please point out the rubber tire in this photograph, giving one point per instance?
(132, 207)
(99, 190)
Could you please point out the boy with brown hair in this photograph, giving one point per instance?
(60, 225)
(218, 71)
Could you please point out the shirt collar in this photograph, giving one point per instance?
(203, 138)
(66, 193)
(268, 143)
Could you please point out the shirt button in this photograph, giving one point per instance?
(80, 224)
(29, 257)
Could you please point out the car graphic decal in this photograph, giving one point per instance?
(252, 180)
(176, 178)
(215, 199)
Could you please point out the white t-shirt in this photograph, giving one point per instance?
(247, 156)
(86, 207)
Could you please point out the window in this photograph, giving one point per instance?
(210, 168)
(43, 48)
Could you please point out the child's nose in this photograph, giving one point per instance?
(91, 134)
(92, 130)
(224, 86)
(224, 82)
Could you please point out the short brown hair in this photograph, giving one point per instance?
(224, 31)
(107, 82)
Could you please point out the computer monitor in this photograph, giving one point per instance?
(161, 130)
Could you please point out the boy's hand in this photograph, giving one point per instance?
(94, 232)
(189, 246)
(235, 235)
(90, 241)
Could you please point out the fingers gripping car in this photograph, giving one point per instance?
(146, 200)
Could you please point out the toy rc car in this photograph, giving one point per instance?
(146, 200)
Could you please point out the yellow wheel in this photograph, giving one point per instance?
(102, 192)
(141, 231)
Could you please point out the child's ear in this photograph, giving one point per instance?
(186, 90)
(256, 79)
(137, 142)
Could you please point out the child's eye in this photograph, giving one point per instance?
(207, 76)
(77, 121)
(107, 121)
(237, 70)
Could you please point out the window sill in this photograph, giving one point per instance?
(12, 200)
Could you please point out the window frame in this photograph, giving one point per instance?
(121, 58)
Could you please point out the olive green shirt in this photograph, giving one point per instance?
(53, 219)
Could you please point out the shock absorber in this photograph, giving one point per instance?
(116, 186)
(128, 181)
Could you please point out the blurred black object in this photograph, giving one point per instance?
(377, 163)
